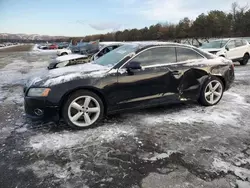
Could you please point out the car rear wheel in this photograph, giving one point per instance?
(211, 92)
(245, 59)
(83, 109)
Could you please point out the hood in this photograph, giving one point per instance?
(65, 74)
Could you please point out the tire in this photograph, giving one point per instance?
(210, 96)
(83, 109)
(245, 59)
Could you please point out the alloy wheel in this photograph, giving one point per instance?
(84, 111)
(213, 92)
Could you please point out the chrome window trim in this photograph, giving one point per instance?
(151, 66)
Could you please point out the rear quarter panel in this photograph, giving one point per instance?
(196, 73)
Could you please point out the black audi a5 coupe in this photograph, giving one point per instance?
(134, 76)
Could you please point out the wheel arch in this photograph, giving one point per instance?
(222, 80)
(247, 53)
(64, 53)
(92, 89)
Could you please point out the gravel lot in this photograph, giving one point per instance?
(177, 146)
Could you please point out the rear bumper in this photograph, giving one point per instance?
(229, 77)
(39, 109)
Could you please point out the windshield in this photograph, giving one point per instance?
(113, 57)
(214, 44)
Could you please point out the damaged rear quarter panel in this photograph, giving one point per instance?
(193, 78)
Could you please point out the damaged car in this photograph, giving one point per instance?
(73, 59)
(69, 60)
(134, 76)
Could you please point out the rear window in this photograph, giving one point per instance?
(244, 42)
(184, 54)
(238, 43)
(205, 54)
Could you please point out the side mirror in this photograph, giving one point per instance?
(227, 48)
(133, 65)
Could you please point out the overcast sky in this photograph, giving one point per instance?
(84, 17)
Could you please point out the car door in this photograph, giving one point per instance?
(232, 51)
(151, 82)
(240, 47)
(186, 77)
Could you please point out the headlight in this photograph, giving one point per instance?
(38, 92)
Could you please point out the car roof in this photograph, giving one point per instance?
(143, 45)
(226, 39)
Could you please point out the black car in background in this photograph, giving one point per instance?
(136, 75)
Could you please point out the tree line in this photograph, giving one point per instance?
(214, 24)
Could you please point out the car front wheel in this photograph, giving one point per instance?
(83, 109)
(211, 92)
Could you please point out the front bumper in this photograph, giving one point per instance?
(38, 108)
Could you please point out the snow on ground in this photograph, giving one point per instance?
(67, 140)
(218, 115)
(4, 47)
(15, 74)
(242, 173)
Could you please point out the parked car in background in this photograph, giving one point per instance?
(84, 48)
(138, 75)
(64, 51)
(53, 46)
(235, 49)
(63, 45)
(73, 59)
(105, 49)
(68, 60)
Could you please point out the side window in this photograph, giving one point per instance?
(111, 48)
(102, 52)
(244, 42)
(184, 54)
(155, 56)
(238, 43)
(106, 50)
(114, 47)
(231, 44)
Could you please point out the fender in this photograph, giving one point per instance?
(191, 83)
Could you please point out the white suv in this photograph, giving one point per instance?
(234, 49)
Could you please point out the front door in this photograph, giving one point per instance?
(150, 83)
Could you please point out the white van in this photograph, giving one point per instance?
(235, 49)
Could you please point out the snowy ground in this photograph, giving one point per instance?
(10, 46)
(177, 146)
